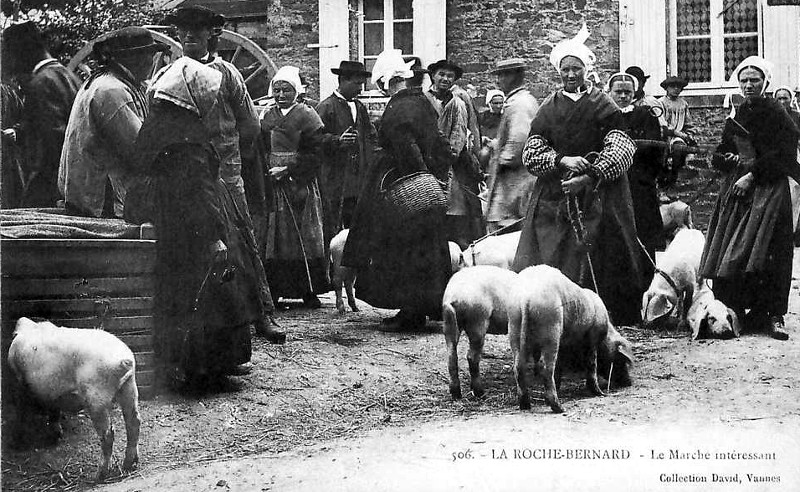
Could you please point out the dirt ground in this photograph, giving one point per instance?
(345, 406)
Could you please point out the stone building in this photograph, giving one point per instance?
(702, 40)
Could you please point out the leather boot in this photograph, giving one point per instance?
(777, 328)
(268, 329)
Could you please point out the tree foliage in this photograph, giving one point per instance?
(70, 24)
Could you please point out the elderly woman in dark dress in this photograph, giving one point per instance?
(641, 122)
(580, 153)
(749, 250)
(207, 278)
(295, 246)
(401, 263)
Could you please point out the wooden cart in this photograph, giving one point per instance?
(84, 283)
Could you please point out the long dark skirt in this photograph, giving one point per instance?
(617, 261)
(749, 247)
(215, 336)
(410, 264)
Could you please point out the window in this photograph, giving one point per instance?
(711, 37)
(385, 24)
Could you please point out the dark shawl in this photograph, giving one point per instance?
(402, 264)
(647, 166)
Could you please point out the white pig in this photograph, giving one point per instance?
(342, 276)
(677, 277)
(72, 369)
(555, 317)
(476, 301)
(710, 317)
(493, 250)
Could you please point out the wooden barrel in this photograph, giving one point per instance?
(84, 283)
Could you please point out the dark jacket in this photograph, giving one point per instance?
(343, 168)
(49, 95)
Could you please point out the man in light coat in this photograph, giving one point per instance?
(509, 182)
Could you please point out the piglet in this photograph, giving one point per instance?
(73, 369)
(493, 250)
(677, 277)
(342, 276)
(710, 317)
(555, 318)
(476, 301)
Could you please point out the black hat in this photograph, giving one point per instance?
(416, 67)
(195, 16)
(448, 65)
(127, 41)
(638, 73)
(23, 36)
(348, 67)
(674, 80)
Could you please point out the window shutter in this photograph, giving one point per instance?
(643, 39)
(429, 30)
(781, 44)
(334, 42)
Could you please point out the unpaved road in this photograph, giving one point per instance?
(344, 406)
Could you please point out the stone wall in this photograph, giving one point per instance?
(284, 34)
(479, 32)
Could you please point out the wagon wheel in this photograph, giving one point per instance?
(253, 62)
(82, 65)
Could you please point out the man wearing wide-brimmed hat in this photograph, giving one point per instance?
(49, 89)
(463, 219)
(233, 128)
(109, 109)
(348, 144)
(509, 182)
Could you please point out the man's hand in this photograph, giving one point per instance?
(574, 165)
(743, 185)
(575, 184)
(278, 172)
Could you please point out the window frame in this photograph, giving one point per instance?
(717, 38)
(388, 22)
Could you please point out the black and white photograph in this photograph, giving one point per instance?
(400, 245)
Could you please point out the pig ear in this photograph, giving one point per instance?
(696, 322)
(626, 352)
(735, 323)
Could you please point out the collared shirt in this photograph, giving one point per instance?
(42, 63)
(350, 104)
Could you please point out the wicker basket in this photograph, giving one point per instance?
(413, 195)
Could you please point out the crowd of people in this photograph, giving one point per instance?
(245, 207)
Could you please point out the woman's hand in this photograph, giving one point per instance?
(574, 185)
(574, 165)
(218, 251)
(278, 172)
(731, 159)
(743, 185)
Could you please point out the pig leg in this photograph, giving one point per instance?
(104, 428)
(337, 289)
(550, 356)
(451, 336)
(349, 280)
(476, 337)
(518, 326)
(128, 399)
(591, 372)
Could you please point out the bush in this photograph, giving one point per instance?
(73, 23)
